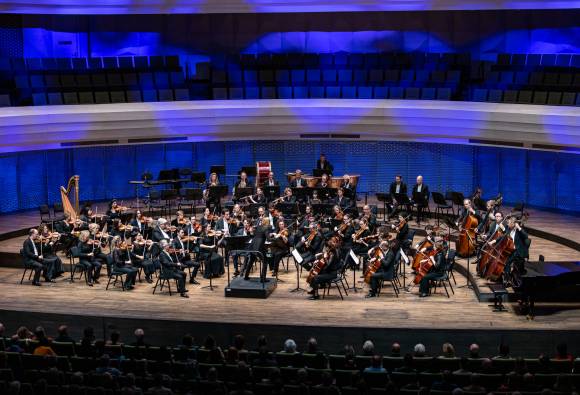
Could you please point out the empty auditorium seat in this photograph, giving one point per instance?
(118, 97)
(510, 96)
(156, 62)
(300, 92)
(86, 98)
(365, 92)
(396, 92)
(568, 98)
(5, 101)
(479, 95)
(236, 93)
(428, 94)
(110, 62)
(316, 92)
(282, 77)
(540, 97)
(381, 92)
(268, 92)
(150, 95)
(284, 92)
(348, 92)
(443, 94)
(125, 62)
(54, 98)
(252, 92)
(165, 94)
(161, 80)
(333, 92)
(102, 97)
(181, 94)
(495, 95)
(39, 99)
(133, 96)
(70, 98)
(412, 93)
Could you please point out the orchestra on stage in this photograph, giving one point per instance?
(312, 220)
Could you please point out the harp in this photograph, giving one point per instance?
(72, 188)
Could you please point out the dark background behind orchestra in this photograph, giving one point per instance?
(540, 178)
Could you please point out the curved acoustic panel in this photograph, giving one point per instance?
(258, 6)
(526, 126)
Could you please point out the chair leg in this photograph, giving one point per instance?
(109, 282)
(23, 274)
(395, 288)
(450, 286)
(445, 288)
(156, 284)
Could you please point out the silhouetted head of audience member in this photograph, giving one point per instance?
(395, 350)
(419, 350)
(239, 342)
(368, 348)
(312, 346)
(474, 351)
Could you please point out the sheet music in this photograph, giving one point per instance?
(297, 256)
(354, 257)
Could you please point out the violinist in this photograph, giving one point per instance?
(345, 232)
(138, 223)
(385, 252)
(238, 213)
(87, 258)
(180, 221)
(278, 246)
(214, 266)
(258, 244)
(342, 201)
(330, 257)
(298, 181)
(183, 255)
(122, 261)
(226, 224)
(193, 228)
(114, 212)
(337, 213)
(309, 245)
(439, 267)
(288, 197)
(270, 182)
(50, 242)
(420, 198)
(207, 217)
(86, 216)
(161, 232)
(172, 268)
(99, 240)
(402, 230)
(149, 227)
(34, 258)
(65, 228)
(370, 217)
(396, 190)
(359, 244)
(141, 256)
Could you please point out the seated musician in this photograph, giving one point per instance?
(420, 198)
(270, 182)
(258, 244)
(439, 267)
(331, 255)
(347, 184)
(149, 226)
(259, 197)
(207, 217)
(87, 258)
(278, 246)
(172, 268)
(370, 217)
(387, 268)
(180, 221)
(487, 218)
(238, 213)
(360, 246)
(50, 242)
(86, 217)
(324, 181)
(342, 201)
(298, 181)
(161, 232)
(521, 243)
(100, 239)
(138, 223)
(114, 213)
(315, 199)
(141, 256)
(309, 245)
(337, 213)
(34, 258)
(397, 188)
(303, 224)
(208, 251)
(288, 197)
(226, 224)
(65, 228)
(494, 227)
(122, 262)
(183, 254)
(323, 164)
(402, 230)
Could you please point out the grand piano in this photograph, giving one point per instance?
(548, 282)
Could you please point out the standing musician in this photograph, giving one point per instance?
(258, 244)
(183, 255)
(270, 182)
(34, 258)
(141, 256)
(160, 232)
(420, 198)
(49, 241)
(243, 182)
(288, 197)
(172, 268)
(278, 246)
(209, 199)
(330, 256)
(298, 181)
(396, 189)
(309, 245)
(324, 165)
(341, 200)
(385, 253)
(123, 263)
(439, 267)
(87, 258)
(208, 252)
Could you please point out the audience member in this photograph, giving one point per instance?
(376, 365)
(368, 348)
(396, 350)
(63, 336)
(419, 351)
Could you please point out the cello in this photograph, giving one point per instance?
(500, 254)
(426, 264)
(466, 241)
(374, 264)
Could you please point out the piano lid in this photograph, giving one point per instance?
(550, 269)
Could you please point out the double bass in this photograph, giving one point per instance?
(466, 241)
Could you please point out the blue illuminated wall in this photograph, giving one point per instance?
(542, 179)
(482, 33)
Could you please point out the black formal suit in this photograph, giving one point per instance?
(326, 166)
(172, 270)
(52, 262)
(278, 249)
(157, 235)
(222, 225)
(138, 226)
(308, 254)
(185, 259)
(257, 244)
(122, 263)
(259, 199)
(214, 262)
(298, 182)
(385, 272)
(141, 258)
(89, 262)
(493, 226)
(289, 199)
(522, 246)
(420, 199)
(33, 260)
(402, 189)
(343, 202)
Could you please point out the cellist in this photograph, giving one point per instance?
(439, 267)
(521, 243)
(330, 270)
(386, 270)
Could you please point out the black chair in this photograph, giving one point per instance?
(76, 266)
(117, 276)
(27, 268)
(440, 205)
(338, 281)
(163, 279)
(57, 212)
(45, 216)
(457, 199)
(154, 201)
(189, 197)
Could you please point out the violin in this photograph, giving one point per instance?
(339, 216)
(359, 232)
(216, 233)
(53, 236)
(311, 237)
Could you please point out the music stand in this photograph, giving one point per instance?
(193, 195)
(403, 200)
(217, 192)
(322, 208)
(271, 193)
(168, 195)
(384, 197)
(218, 169)
(198, 177)
(171, 174)
(249, 170)
(301, 193)
(234, 244)
(241, 192)
(288, 209)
